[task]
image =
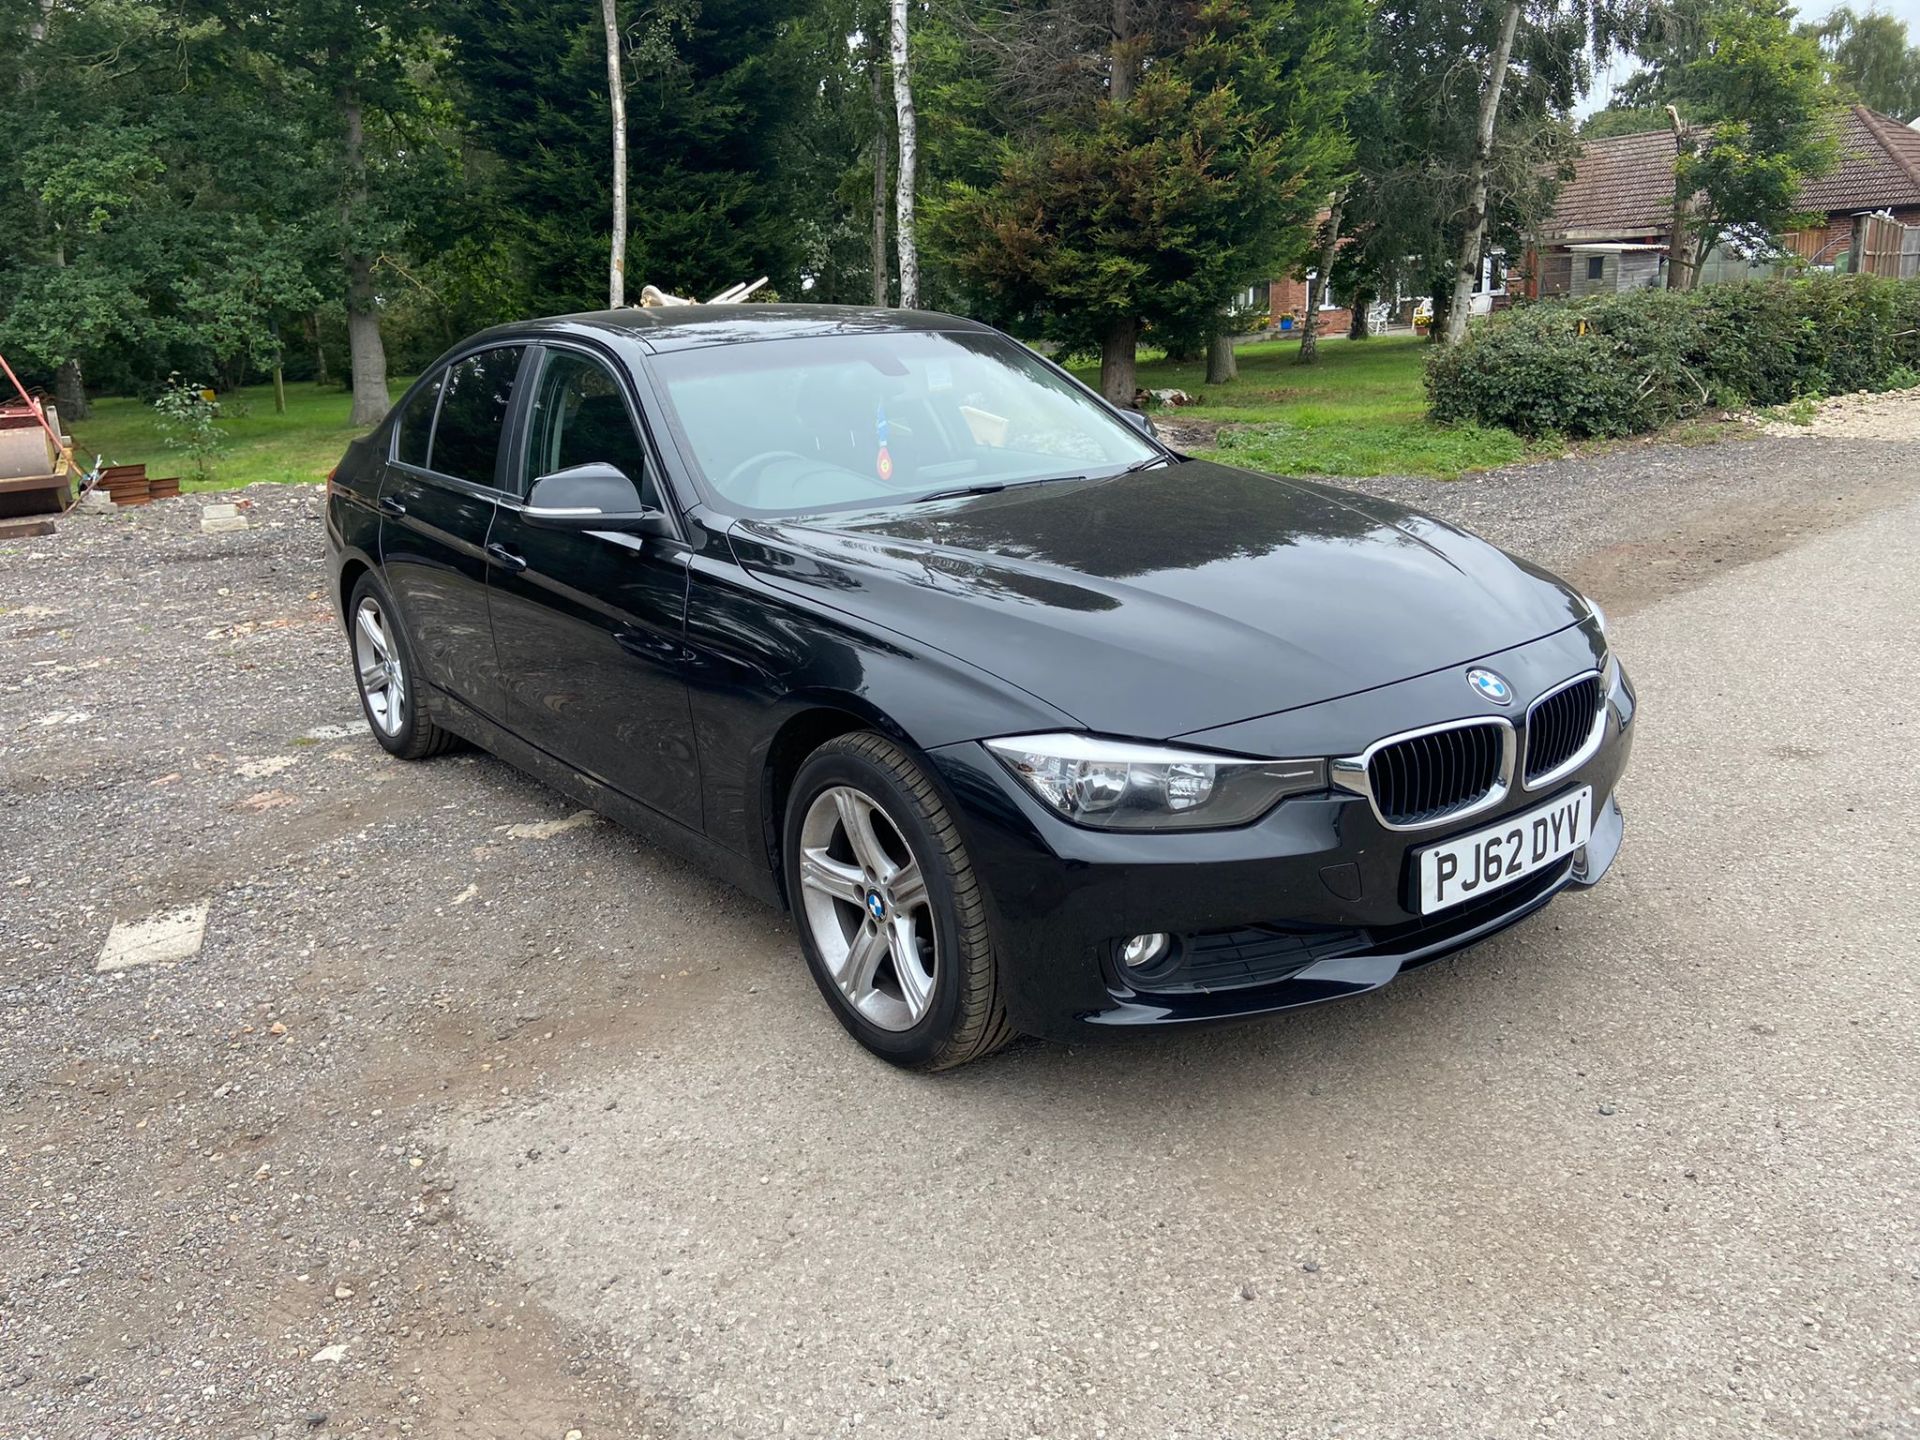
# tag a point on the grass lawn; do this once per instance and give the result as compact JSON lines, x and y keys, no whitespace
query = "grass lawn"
{"x":1361,"y":410}
{"x":299,"y":446}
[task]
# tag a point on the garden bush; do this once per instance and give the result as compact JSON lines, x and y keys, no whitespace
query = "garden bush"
{"x":1622,"y":364}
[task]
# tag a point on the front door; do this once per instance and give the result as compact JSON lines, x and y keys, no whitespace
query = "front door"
{"x":437,"y":506}
{"x":590,"y":626}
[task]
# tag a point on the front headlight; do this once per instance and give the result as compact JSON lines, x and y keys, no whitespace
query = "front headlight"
{"x":1127,"y":785}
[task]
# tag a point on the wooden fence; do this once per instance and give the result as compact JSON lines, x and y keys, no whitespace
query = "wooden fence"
{"x":1886,"y":247}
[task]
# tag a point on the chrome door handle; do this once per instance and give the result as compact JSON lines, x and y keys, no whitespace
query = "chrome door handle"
{"x":391,"y":506}
{"x":505,"y":558}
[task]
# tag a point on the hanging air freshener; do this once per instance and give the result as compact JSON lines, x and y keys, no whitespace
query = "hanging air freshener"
{"x":883,"y":461}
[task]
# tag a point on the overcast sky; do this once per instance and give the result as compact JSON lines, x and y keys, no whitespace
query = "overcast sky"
{"x":1907,"y":10}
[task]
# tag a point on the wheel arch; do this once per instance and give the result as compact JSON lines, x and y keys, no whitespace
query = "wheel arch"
{"x":820,"y":717}
{"x":350,"y":572}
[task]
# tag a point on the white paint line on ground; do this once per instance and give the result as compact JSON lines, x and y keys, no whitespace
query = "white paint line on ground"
{"x":547,"y":829}
{"x":164,"y":938}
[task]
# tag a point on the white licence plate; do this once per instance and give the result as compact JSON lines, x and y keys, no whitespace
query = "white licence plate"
{"x":1468,"y":867}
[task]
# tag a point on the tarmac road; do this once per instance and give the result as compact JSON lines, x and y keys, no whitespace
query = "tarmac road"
{"x":1647,"y":1163}
{"x":469,"y":1117}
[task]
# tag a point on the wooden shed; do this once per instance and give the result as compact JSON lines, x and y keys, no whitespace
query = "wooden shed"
{"x":1610,"y":269}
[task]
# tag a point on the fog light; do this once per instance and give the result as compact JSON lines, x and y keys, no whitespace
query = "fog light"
{"x":1145,"y":951}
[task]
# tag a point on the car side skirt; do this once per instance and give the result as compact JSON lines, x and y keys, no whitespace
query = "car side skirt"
{"x":750,"y":875}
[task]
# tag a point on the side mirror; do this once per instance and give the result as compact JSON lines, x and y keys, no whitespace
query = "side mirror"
{"x":595,"y":496}
{"x":1141,"y":421}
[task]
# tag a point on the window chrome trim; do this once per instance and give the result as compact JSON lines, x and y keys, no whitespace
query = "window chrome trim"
{"x":1588,"y":747}
{"x":1350,"y":772}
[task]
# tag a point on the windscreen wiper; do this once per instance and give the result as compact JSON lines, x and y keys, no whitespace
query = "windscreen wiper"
{"x":991,"y":487}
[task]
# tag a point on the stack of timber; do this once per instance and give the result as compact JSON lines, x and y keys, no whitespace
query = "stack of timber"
{"x":131,"y":485}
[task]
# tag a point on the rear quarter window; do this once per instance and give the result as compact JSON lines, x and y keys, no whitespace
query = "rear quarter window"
{"x":473,"y":412}
{"x":416,"y":424}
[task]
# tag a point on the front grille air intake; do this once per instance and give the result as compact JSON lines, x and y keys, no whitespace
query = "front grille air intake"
{"x":1559,"y":726}
{"x":1425,"y":778}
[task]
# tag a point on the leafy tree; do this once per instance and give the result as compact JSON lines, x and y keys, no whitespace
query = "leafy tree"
{"x":720,"y":95}
{"x":1414,"y":127}
{"x":1871,"y":56}
{"x":1111,"y":164}
{"x":145,"y":201}
{"x":845,"y":146}
{"x":357,"y":76}
{"x":1548,"y":42}
{"x":1757,"y":127}
{"x":1622,"y":119}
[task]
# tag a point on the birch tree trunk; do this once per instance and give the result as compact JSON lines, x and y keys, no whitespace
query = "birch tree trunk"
{"x":1317,"y":291}
{"x":1468,"y":269}
{"x":882,"y":127}
{"x":909,"y":138}
{"x":365,"y":349}
{"x":617,"y":102}
{"x":1678,"y":242}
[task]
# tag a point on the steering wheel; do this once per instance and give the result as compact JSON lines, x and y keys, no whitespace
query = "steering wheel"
{"x":758,"y":462}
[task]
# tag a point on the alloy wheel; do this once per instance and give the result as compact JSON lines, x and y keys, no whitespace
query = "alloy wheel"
{"x":376,"y":659}
{"x":866,"y":907}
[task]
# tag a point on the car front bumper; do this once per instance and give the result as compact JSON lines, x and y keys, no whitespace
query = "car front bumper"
{"x":1315,"y":902}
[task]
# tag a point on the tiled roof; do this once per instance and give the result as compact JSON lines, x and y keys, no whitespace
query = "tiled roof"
{"x":1623,"y":184}
{"x":1879,"y":165}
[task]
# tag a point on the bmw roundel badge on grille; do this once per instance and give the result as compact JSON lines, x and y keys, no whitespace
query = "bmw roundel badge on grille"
{"x":1490,"y":686}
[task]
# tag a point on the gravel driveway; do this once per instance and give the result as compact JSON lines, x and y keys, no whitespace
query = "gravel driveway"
{"x":411,"y":1101}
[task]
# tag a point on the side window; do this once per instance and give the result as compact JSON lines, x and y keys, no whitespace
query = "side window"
{"x":416,"y":425}
{"x":579,"y":415}
{"x":473,"y":412}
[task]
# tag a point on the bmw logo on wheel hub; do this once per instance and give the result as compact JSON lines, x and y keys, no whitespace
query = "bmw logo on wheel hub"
{"x":1490,"y":686}
{"x":876,"y":907}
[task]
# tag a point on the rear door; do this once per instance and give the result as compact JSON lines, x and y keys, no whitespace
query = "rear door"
{"x":437,"y":507}
{"x":590,"y":626}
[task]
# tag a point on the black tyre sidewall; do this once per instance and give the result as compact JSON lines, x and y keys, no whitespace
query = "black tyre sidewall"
{"x":411,"y":740}
{"x":926,"y":1041}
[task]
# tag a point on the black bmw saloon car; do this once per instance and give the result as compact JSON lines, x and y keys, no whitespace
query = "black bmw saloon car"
{"x":1034,"y":724}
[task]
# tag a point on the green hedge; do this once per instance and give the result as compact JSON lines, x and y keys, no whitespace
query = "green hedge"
{"x":1623,"y":364}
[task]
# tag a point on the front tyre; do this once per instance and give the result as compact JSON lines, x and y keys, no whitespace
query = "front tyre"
{"x":384,"y":671}
{"x":888,"y":908}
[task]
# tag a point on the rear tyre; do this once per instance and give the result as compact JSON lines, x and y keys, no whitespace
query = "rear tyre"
{"x":890,"y":913}
{"x":384,"y":671}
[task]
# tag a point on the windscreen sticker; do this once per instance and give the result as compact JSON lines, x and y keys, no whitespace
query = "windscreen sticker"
{"x":883,"y":461}
{"x":939,"y":376}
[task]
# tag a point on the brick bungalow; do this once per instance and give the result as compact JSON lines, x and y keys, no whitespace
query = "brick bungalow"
{"x":1611,"y":225}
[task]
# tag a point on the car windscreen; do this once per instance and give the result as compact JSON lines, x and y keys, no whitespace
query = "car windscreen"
{"x":848,"y":422}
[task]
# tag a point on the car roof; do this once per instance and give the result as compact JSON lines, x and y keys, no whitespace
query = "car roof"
{"x":689,"y":327}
